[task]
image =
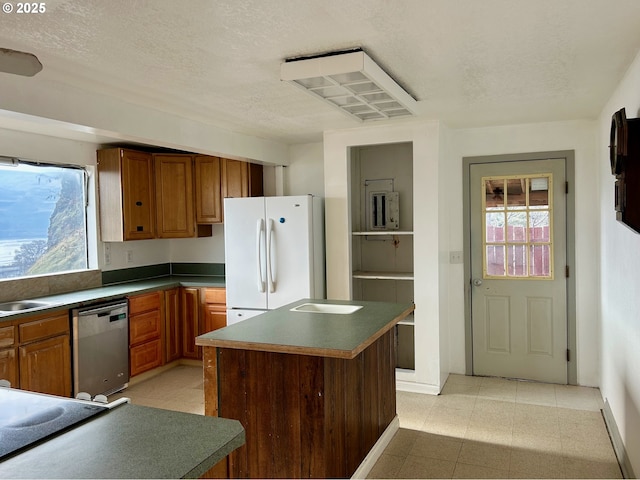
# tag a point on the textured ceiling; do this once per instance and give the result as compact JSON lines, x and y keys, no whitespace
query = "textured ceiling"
{"x":467,"y":62}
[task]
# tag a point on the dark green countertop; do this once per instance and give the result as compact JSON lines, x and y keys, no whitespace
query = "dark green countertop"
{"x":106,"y":293}
{"x":306,"y":333}
{"x":131,"y":441}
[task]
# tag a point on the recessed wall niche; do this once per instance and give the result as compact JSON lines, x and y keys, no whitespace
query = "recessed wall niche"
{"x":381,"y":197}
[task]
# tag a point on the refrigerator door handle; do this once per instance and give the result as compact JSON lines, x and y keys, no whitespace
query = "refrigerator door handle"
{"x":260,"y":262}
{"x":271,"y":280}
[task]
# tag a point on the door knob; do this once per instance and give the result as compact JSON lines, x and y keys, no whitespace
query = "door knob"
{"x":477,"y":282}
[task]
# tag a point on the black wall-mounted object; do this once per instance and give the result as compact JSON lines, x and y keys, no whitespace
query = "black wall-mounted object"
{"x":624,"y":155}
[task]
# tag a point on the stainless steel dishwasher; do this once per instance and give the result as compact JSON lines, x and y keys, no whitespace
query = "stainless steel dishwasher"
{"x":101,"y":348}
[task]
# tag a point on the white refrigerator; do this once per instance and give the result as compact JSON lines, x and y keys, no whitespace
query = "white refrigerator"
{"x":274,"y":253}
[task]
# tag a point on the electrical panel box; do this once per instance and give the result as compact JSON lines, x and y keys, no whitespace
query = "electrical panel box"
{"x":384,"y":211}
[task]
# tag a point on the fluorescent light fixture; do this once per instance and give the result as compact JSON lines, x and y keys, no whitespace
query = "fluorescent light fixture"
{"x":352,"y":82}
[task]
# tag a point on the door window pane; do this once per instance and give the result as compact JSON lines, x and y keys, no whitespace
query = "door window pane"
{"x":495,"y":260}
{"x":516,"y":193}
{"x":540,"y":256}
{"x":494,"y":227}
{"x":517,"y":260}
{"x":517,"y":226}
{"x":494,"y":194}
{"x":518,"y":219}
{"x":539,"y":226}
{"x":539,"y":192}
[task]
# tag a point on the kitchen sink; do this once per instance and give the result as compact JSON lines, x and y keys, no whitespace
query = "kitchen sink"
{"x":331,"y":308}
{"x":21,"y":305}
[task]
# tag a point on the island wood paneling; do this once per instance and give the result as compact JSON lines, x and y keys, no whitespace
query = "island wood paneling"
{"x":304,"y":416}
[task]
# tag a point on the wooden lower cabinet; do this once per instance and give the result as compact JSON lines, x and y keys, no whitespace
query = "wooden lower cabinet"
{"x":145,"y":332}
{"x":172,"y":325}
{"x":45,"y":366}
{"x":145,"y":357}
{"x":214,"y":309}
{"x":44,"y":354}
{"x":9,"y":366}
{"x":190,"y":300}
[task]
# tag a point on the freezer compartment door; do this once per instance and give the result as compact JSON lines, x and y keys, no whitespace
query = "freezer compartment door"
{"x":237,"y":315}
{"x":289,"y":249}
{"x":245,"y":252}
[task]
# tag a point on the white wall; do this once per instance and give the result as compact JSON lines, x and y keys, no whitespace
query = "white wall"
{"x":579,"y":136}
{"x":620,"y":284}
{"x":305,"y":172}
{"x":194,"y":250}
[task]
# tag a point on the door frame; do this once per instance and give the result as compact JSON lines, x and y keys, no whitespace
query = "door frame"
{"x":569,"y":156}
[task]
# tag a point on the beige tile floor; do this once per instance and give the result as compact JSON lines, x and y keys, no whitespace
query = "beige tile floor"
{"x":482,"y":427}
{"x":478,"y":427}
{"x":180,"y":388}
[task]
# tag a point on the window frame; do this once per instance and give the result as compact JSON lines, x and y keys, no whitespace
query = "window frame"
{"x":87,"y":192}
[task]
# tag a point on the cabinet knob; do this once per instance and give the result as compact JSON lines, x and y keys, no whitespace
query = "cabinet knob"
{"x":138,"y":204}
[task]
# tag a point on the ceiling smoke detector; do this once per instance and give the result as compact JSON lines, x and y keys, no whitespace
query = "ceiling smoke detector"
{"x":352,"y":82}
{"x":19,"y":63}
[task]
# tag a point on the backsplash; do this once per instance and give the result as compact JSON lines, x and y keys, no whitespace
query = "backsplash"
{"x":162,"y":270}
{"x":42,"y":286}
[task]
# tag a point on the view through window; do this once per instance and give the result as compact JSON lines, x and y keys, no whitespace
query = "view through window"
{"x":518,"y":213}
{"x":42,"y":219}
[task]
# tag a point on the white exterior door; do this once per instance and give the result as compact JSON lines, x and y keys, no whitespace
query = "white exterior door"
{"x":518,"y":261}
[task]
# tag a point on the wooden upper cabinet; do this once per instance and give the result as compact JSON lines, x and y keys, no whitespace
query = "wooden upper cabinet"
{"x":174,"y":196}
{"x":126,"y":192}
{"x":208,"y":189}
{"x":256,"y":182}
{"x":241,"y":179}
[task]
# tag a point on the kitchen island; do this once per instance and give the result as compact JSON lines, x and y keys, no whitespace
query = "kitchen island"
{"x":314,"y":390}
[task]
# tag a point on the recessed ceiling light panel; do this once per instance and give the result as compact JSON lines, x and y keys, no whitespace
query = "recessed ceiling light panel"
{"x":352,"y":82}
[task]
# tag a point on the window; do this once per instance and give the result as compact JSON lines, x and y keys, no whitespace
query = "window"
{"x":42,"y":219}
{"x":517,"y":219}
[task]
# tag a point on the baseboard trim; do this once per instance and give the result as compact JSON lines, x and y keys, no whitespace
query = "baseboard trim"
{"x":415,"y":387}
{"x":616,"y":440}
{"x":376,"y":452}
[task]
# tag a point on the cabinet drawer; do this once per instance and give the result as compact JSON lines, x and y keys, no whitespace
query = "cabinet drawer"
{"x":44,"y":327}
{"x":143,"y":327}
{"x":145,"y":357}
{"x":144,"y":303}
{"x":215,"y":295}
{"x":7,"y":336}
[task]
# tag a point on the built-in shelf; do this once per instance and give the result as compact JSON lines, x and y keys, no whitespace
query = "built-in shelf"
{"x":383,"y":275}
{"x":383,"y":232}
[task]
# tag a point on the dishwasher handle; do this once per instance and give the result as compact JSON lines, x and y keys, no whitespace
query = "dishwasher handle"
{"x":104,"y":309}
